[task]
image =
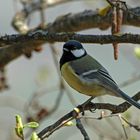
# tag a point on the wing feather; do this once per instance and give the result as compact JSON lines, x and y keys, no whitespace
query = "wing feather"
{"x":88,"y":69}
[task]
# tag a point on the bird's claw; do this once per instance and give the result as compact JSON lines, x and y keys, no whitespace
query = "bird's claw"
{"x":84,"y":105}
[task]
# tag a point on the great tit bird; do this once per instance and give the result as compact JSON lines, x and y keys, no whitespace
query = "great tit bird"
{"x":84,"y":74}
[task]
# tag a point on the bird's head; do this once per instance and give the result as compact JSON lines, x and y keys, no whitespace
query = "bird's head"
{"x":74,"y":49}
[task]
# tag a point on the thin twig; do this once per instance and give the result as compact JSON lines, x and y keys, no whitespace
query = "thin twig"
{"x":82,"y":129}
{"x":42,"y":12}
{"x":124,"y":130}
{"x":108,"y":116}
{"x":136,"y":127}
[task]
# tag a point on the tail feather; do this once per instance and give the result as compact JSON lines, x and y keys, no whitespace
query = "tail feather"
{"x":129,"y":99}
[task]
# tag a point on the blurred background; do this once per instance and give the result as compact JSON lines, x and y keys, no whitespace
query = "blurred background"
{"x":34,"y":83}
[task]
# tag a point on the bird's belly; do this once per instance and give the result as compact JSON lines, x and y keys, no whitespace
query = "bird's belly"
{"x":91,"y":89}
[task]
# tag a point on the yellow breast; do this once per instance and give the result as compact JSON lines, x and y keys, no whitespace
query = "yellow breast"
{"x":91,"y":89}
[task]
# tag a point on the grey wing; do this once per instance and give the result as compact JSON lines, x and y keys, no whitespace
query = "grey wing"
{"x":91,"y":73}
{"x":102,"y":78}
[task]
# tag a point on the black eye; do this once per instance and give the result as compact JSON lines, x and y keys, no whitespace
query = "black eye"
{"x":73,"y":47}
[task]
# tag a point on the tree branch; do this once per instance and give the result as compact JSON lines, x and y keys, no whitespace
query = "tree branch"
{"x":16,"y":45}
{"x":91,"y":19}
{"x":85,"y":107}
{"x":41,"y":36}
{"x":70,"y":22}
{"x":80,"y":21}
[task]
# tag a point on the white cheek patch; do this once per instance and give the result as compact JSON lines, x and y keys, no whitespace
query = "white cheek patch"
{"x":78,"y":53}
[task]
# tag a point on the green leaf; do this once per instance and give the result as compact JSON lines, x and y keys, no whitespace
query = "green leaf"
{"x":34,"y":136}
{"x":69,"y":123}
{"x":19,"y":121}
{"x":19,"y":132}
{"x":104,"y":10}
{"x":137,"y":52}
{"x":19,"y":126}
{"x":31,"y":125}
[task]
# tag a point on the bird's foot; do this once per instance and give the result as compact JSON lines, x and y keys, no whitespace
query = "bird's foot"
{"x":84,"y":105}
{"x":92,"y":110}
